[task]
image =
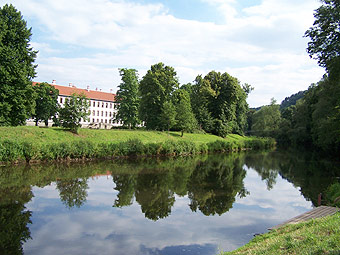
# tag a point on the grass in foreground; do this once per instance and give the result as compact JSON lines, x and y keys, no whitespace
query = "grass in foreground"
{"x":318,"y":236}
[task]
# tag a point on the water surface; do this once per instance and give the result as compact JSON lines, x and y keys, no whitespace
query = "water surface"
{"x":198,"y":205}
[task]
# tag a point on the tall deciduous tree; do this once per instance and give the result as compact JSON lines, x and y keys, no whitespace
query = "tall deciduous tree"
{"x":185,"y":119}
{"x":17,"y":68}
{"x":155,"y":88}
{"x":75,"y":109}
{"x":46,"y":102}
{"x":325,"y":44}
{"x":168,"y":115}
{"x":219,"y":103}
{"x":127,"y":98}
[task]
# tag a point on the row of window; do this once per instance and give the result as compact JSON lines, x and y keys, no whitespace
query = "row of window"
{"x":94,"y":103}
{"x":102,"y":104}
{"x":107,"y":114}
{"x":106,"y":121}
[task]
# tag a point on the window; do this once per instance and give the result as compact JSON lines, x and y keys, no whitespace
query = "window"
{"x":101,"y":120}
{"x":105,"y":114}
{"x":110,"y":114}
{"x":98,"y":104}
{"x":61,"y":100}
{"x":103,"y":105}
{"x":94,"y":104}
{"x":105,"y":121}
{"x":93,"y":120}
{"x":107,"y":105}
{"x":94,"y":113}
{"x":110,"y":105}
{"x":97,"y":120}
{"x":102,"y":113}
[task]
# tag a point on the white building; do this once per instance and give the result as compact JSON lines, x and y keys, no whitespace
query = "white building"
{"x":103,"y":107}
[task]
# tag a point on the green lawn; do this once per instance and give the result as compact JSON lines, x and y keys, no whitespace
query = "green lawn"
{"x":319,"y":236}
{"x":33,"y":143}
{"x":54,"y":135}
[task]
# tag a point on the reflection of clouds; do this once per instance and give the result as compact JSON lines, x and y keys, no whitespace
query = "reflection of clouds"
{"x":99,"y":228}
{"x":284,"y":198}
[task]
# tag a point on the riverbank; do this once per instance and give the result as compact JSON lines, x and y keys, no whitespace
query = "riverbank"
{"x":34,"y":144}
{"x":317,"y":236}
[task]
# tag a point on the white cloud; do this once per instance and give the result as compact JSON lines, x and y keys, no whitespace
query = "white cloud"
{"x":92,"y":39}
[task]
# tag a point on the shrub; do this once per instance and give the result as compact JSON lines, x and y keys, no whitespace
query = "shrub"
{"x":333,"y":194}
{"x":10,"y":151}
{"x":30,"y":151}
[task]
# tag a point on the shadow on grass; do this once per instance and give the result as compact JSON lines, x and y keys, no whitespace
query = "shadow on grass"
{"x":174,"y":134}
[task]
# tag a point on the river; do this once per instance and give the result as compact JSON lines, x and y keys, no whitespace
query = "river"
{"x":188,"y":205}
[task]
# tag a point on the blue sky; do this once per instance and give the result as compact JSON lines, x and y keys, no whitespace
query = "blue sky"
{"x":260,"y":42}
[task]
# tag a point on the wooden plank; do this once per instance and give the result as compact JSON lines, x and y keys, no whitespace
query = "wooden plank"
{"x":317,"y":212}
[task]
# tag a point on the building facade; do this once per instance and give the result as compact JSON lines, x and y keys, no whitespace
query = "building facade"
{"x":103,"y":108}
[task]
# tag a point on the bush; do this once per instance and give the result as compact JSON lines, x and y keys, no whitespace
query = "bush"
{"x":333,"y":194}
{"x":10,"y":151}
{"x":30,"y":151}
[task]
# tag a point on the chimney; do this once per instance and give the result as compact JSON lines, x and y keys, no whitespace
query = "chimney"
{"x":100,"y":90}
{"x":54,"y":82}
{"x":70,"y":84}
{"x":88,"y":88}
{"x":111,"y":91}
{"x":96,"y":89}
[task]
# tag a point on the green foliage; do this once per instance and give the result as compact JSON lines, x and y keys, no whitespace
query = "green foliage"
{"x":156,"y":88}
{"x":314,"y":120}
{"x":75,"y":109}
{"x":17,"y":69}
{"x":324,"y":35}
{"x":46,"y":102}
{"x":168,"y":115}
{"x":219,"y":103}
{"x":128,"y":99}
{"x":185,"y":119}
{"x":333,"y":194}
{"x":266,"y":121}
{"x":10,"y":151}
{"x":291,"y":100}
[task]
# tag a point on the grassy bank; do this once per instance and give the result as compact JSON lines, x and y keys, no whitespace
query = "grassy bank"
{"x":319,"y":236}
{"x":33,"y":143}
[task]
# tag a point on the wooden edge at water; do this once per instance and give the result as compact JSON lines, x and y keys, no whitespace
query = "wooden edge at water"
{"x":317,"y":212}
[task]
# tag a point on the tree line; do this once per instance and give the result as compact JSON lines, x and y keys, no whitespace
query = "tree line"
{"x":311,"y":118}
{"x":215,"y":104}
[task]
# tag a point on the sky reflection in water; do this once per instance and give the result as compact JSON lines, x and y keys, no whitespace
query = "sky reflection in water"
{"x":95,"y":226}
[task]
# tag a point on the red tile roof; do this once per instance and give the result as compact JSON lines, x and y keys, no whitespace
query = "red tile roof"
{"x":91,"y":94}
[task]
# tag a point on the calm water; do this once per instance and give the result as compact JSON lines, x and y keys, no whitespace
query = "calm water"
{"x":199,"y":205}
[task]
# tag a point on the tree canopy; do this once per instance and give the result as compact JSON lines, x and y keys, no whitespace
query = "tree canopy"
{"x":325,"y":33}
{"x":75,"y":109}
{"x":46,"y":102}
{"x":17,"y":68}
{"x":155,"y":88}
{"x":127,"y":98}
{"x":219,"y":103}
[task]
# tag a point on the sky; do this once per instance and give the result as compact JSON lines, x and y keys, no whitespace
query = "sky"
{"x":260,"y":42}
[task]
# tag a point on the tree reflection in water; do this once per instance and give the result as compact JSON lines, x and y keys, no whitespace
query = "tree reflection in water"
{"x":73,"y":192}
{"x":211,"y":182}
{"x":14,"y":218}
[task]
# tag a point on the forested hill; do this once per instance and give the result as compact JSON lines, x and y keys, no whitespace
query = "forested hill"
{"x":291,"y":100}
